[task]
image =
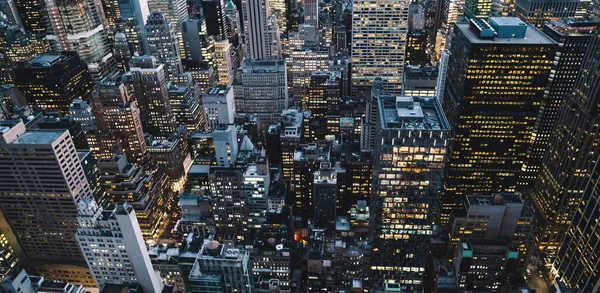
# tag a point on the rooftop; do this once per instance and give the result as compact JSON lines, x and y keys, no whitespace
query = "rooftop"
{"x":39,"y":137}
{"x":412,"y":113}
{"x":495,"y":199}
{"x":46,"y":60}
{"x":218,"y":90}
{"x":573,"y":26}
{"x":532,"y":35}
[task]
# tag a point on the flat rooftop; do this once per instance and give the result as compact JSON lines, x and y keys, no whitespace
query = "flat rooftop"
{"x":412,"y":113}
{"x":39,"y":137}
{"x":532,"y":36}
{"x":506,"y":198}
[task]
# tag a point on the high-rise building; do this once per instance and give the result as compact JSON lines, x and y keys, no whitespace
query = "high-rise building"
{"x":81,"y":112}
{"x":150,"y":85}
{"x":224,"y":52}
{"x":261,"y":34}
{"x":577,"y":260}
{"x":212,"y":10}
{"x":502,"y":215}
{"x":324,"y":94}
{"x":42,"y":183}
{"x":219,"y":106}
{"x":226,"y":145}
{"x":233,"y":25}
{"x":118,"y":123}
{"x":79,"y":26}
{"x":311,"y":13}
{"x":573,"y":37}
{"x":221,"y":268}
{"x":257,"y":180}
{"x":539,"y":12}
{"x":279,"y":8}
{"x":145,"y":187}
{"x":301,"y":63}
{"x":420,"y":81}
{"x":176,"y":12}
{"x":480,"y":9}
{"x":186,"y":102}
{"x":162,"y":44}
{"x":485,"y":159}
{"x":198,"y":46}
{"x":569,"y":160}
{"x":306,"y":160}
{"x":263,"y":87}
{"x":412,"y":147}
{"x":485,"y":265}
{"x":372,"y":57}
{"x":230,"y":208}
{"x":52,"y":80}
{"x":112,"y":239}
{"x":33,"y":15}
{"x":129,"y":17}
{"x":121,"y":52}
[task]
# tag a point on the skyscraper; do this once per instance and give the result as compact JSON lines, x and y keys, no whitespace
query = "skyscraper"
{"x":229,"y":201}
{"x":412,"y":147}
{"x":569,"y":160}
{"x":323,"y":97}
{"x":573,"y":37}
{"x":126,"y":256}
{"x":264,"y":88}
{"x":199,"y":47}
{"x":33,"y":16}
{"x":539,"y":12}
{"x":118,"y":123}
{"x":215,"y":19}
{"x":259,"y":31}
{"x":176,"y":12}
{"x":223,"y":60}
{"x":221,"y":268}
{"x":378,"y":50}
{"x":144,"y":187}
{"x":52,"y":80}
{"x":151,"y":93}
{"x":162,"y":44}
{"x":311,"y":13}
{"x":478,"y":9}
{"x":130,"y":18}
{"x":493,"y":124}
{"x":577,"y":260}
{"x":219,"y":106}
{"x":40,"y":201}
{"x":79,"y":26}
{"x":279,"y":9}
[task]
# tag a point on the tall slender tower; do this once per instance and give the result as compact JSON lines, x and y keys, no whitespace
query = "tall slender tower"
{"x":259,"y":31}
{"x":573,"y":149}
{"x":372,"y":22}
{"x":492,"y":123}
{"x":152,"y":96}
{"x":412,"y":147}
{"x":162,"y":44}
